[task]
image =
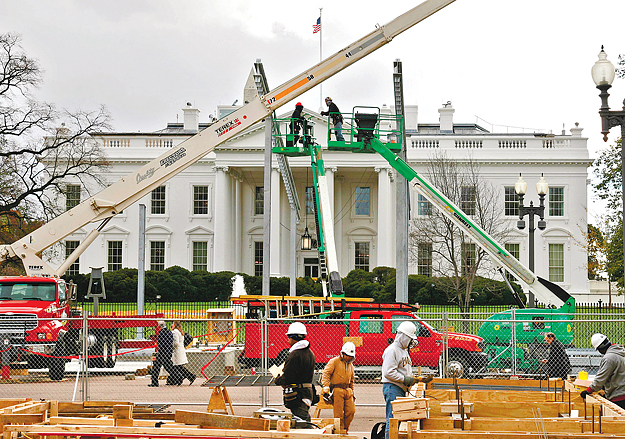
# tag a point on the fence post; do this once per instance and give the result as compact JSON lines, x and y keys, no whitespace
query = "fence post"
{"x":445,"y":344}
{"x":513,"y":341}
{"x":264,"y":360}
{"x":85,"y":358}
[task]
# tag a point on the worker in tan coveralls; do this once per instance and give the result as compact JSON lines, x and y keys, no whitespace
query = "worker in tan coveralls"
{"x":338,"y":380}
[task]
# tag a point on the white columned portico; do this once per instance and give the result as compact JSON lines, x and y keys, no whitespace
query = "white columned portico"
{"x":275,"y":222}
{"x":223,"y":232}
{"x":385,"y":218}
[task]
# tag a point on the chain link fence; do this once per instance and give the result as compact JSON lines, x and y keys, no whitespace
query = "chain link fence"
{"x":112,"y":357}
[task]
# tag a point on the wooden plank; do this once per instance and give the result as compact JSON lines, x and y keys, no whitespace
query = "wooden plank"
{"x":88,"y":404}
{"x":393,"y":428}
{"x":22,"y":418}
{"x":32,"y":408}
{"x":8,"y":402}
{"x":459,"y":434}
{"x":409,"y":404}
{"x":122,"y":411}
{"x":412,"y":415}
{"x":283,"y":425}
{"x":89,"y":430}
{"x":493,"y":382}
{"x":67,"y":420}
{"x":214,"y":420}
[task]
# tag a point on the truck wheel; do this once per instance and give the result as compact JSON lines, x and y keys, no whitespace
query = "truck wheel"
{"x":56,"y":367}
{"x":100,"y":350}
{"x":462,"y":362}
{"x":112,"y":352}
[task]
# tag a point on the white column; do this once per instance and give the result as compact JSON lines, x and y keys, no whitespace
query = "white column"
{"x":222,"y":205}
{"x":275,"y":222}
{"x":385,"y":219}
{"x":237,"y":226}
{"x":338,"y":224}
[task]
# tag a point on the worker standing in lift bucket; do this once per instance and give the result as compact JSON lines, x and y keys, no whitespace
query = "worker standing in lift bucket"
{"x":338,"y":385}
{"x":297,"y":375}
{"x":611,"y":374}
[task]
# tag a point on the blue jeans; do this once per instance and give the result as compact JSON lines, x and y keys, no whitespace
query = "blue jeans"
{"x":390,"y":392}
{"x":338,"y":132}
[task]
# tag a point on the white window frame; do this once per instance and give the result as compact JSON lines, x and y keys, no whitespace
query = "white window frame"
{"x":372,"y":202}
{"x":565,"y":194}
{"x":192,"y":213}
{"x":200,"y":234}
{"x":158,"y":232}
{"x":153,"y":241}
{"x":165,"y":216}
{"x":76,"y":263}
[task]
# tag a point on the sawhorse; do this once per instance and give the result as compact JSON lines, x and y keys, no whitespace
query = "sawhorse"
{"x":220,"y":400}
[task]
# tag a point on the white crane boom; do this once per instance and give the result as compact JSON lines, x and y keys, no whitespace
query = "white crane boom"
{"x":117,"y":197}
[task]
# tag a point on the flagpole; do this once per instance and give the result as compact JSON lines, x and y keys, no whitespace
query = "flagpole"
{"x":320,"y":57}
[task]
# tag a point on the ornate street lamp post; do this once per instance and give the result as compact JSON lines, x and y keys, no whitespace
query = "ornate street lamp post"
{"x":603,"y":74}
{"x":520,"y":187}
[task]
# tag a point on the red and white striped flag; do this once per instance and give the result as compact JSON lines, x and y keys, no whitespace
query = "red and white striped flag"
{"x":317,"y":26}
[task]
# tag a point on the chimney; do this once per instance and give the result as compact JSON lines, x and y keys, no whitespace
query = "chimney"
{"x":191,"y":118}
{"x":446,"y":118}
{"x":410,"y":119}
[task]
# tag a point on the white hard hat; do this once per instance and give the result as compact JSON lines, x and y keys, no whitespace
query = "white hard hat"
{"x":597,"y":340}
{"x":349,"y":348}
{"x":409,"y":329}
{"x":296,"y":328}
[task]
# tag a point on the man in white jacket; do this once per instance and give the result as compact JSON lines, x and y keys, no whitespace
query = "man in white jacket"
{"x":397,"y":375}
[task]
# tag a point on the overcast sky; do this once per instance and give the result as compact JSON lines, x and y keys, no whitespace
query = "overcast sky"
{"x":511,"y":63}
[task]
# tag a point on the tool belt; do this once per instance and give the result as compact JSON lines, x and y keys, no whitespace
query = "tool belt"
{"x":339,"y":386}
{"x":300,"y":386}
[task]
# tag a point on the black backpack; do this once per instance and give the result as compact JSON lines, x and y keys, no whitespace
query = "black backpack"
{"x":188,"y":339}
{"x":378,"y":430}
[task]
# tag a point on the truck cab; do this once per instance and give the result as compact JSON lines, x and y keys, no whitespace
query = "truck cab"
{"x":372,"y":331}
{"x":33,"y":316}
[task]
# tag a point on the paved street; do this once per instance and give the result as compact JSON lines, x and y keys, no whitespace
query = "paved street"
{"x":195,"y":397}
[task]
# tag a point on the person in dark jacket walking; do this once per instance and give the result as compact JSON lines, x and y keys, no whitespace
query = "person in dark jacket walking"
{"x":558,"y":364}
{"x":165,"y":346}
{"x":611,"y":373}
{"x":336,"y":117}
{"x":297,"y":375}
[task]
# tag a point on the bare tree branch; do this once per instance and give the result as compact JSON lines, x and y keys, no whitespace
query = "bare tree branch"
{"x":456,"y":260}
{"x":41,"y":148}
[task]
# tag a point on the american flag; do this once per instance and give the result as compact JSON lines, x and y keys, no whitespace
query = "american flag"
{"x":317,"y":26}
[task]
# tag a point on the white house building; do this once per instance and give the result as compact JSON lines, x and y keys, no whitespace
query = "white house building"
{"x":210,"y":216}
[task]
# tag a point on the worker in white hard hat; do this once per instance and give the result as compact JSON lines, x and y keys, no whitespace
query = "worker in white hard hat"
{"x":397,"y":375}
{"x":297,"y":375}
{"x":338,"y":381}
{"x":611,"y":374}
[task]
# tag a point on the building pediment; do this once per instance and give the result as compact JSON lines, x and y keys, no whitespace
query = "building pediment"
{"x":362,"y":231}
{"x":556,"y":232}
{"x":199,"y":230}
{"x":115,"y":229}
{"x":158,"y":229}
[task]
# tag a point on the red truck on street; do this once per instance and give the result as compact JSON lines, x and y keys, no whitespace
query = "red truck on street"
{"x":40,"y":329}
{"x":371,"y":330}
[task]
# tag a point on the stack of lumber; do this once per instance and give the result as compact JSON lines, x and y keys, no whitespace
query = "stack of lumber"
{"x":104,"y":419}
{"x":521,"y":410}
{"x":410,"y":408}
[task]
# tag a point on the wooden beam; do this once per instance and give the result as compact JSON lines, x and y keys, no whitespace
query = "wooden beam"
{"x":171,"y":432}
{"x":8,"y":402}
{"x":214,"y":420}
{"x":22,"y":418}
{"x":459,"y":434}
